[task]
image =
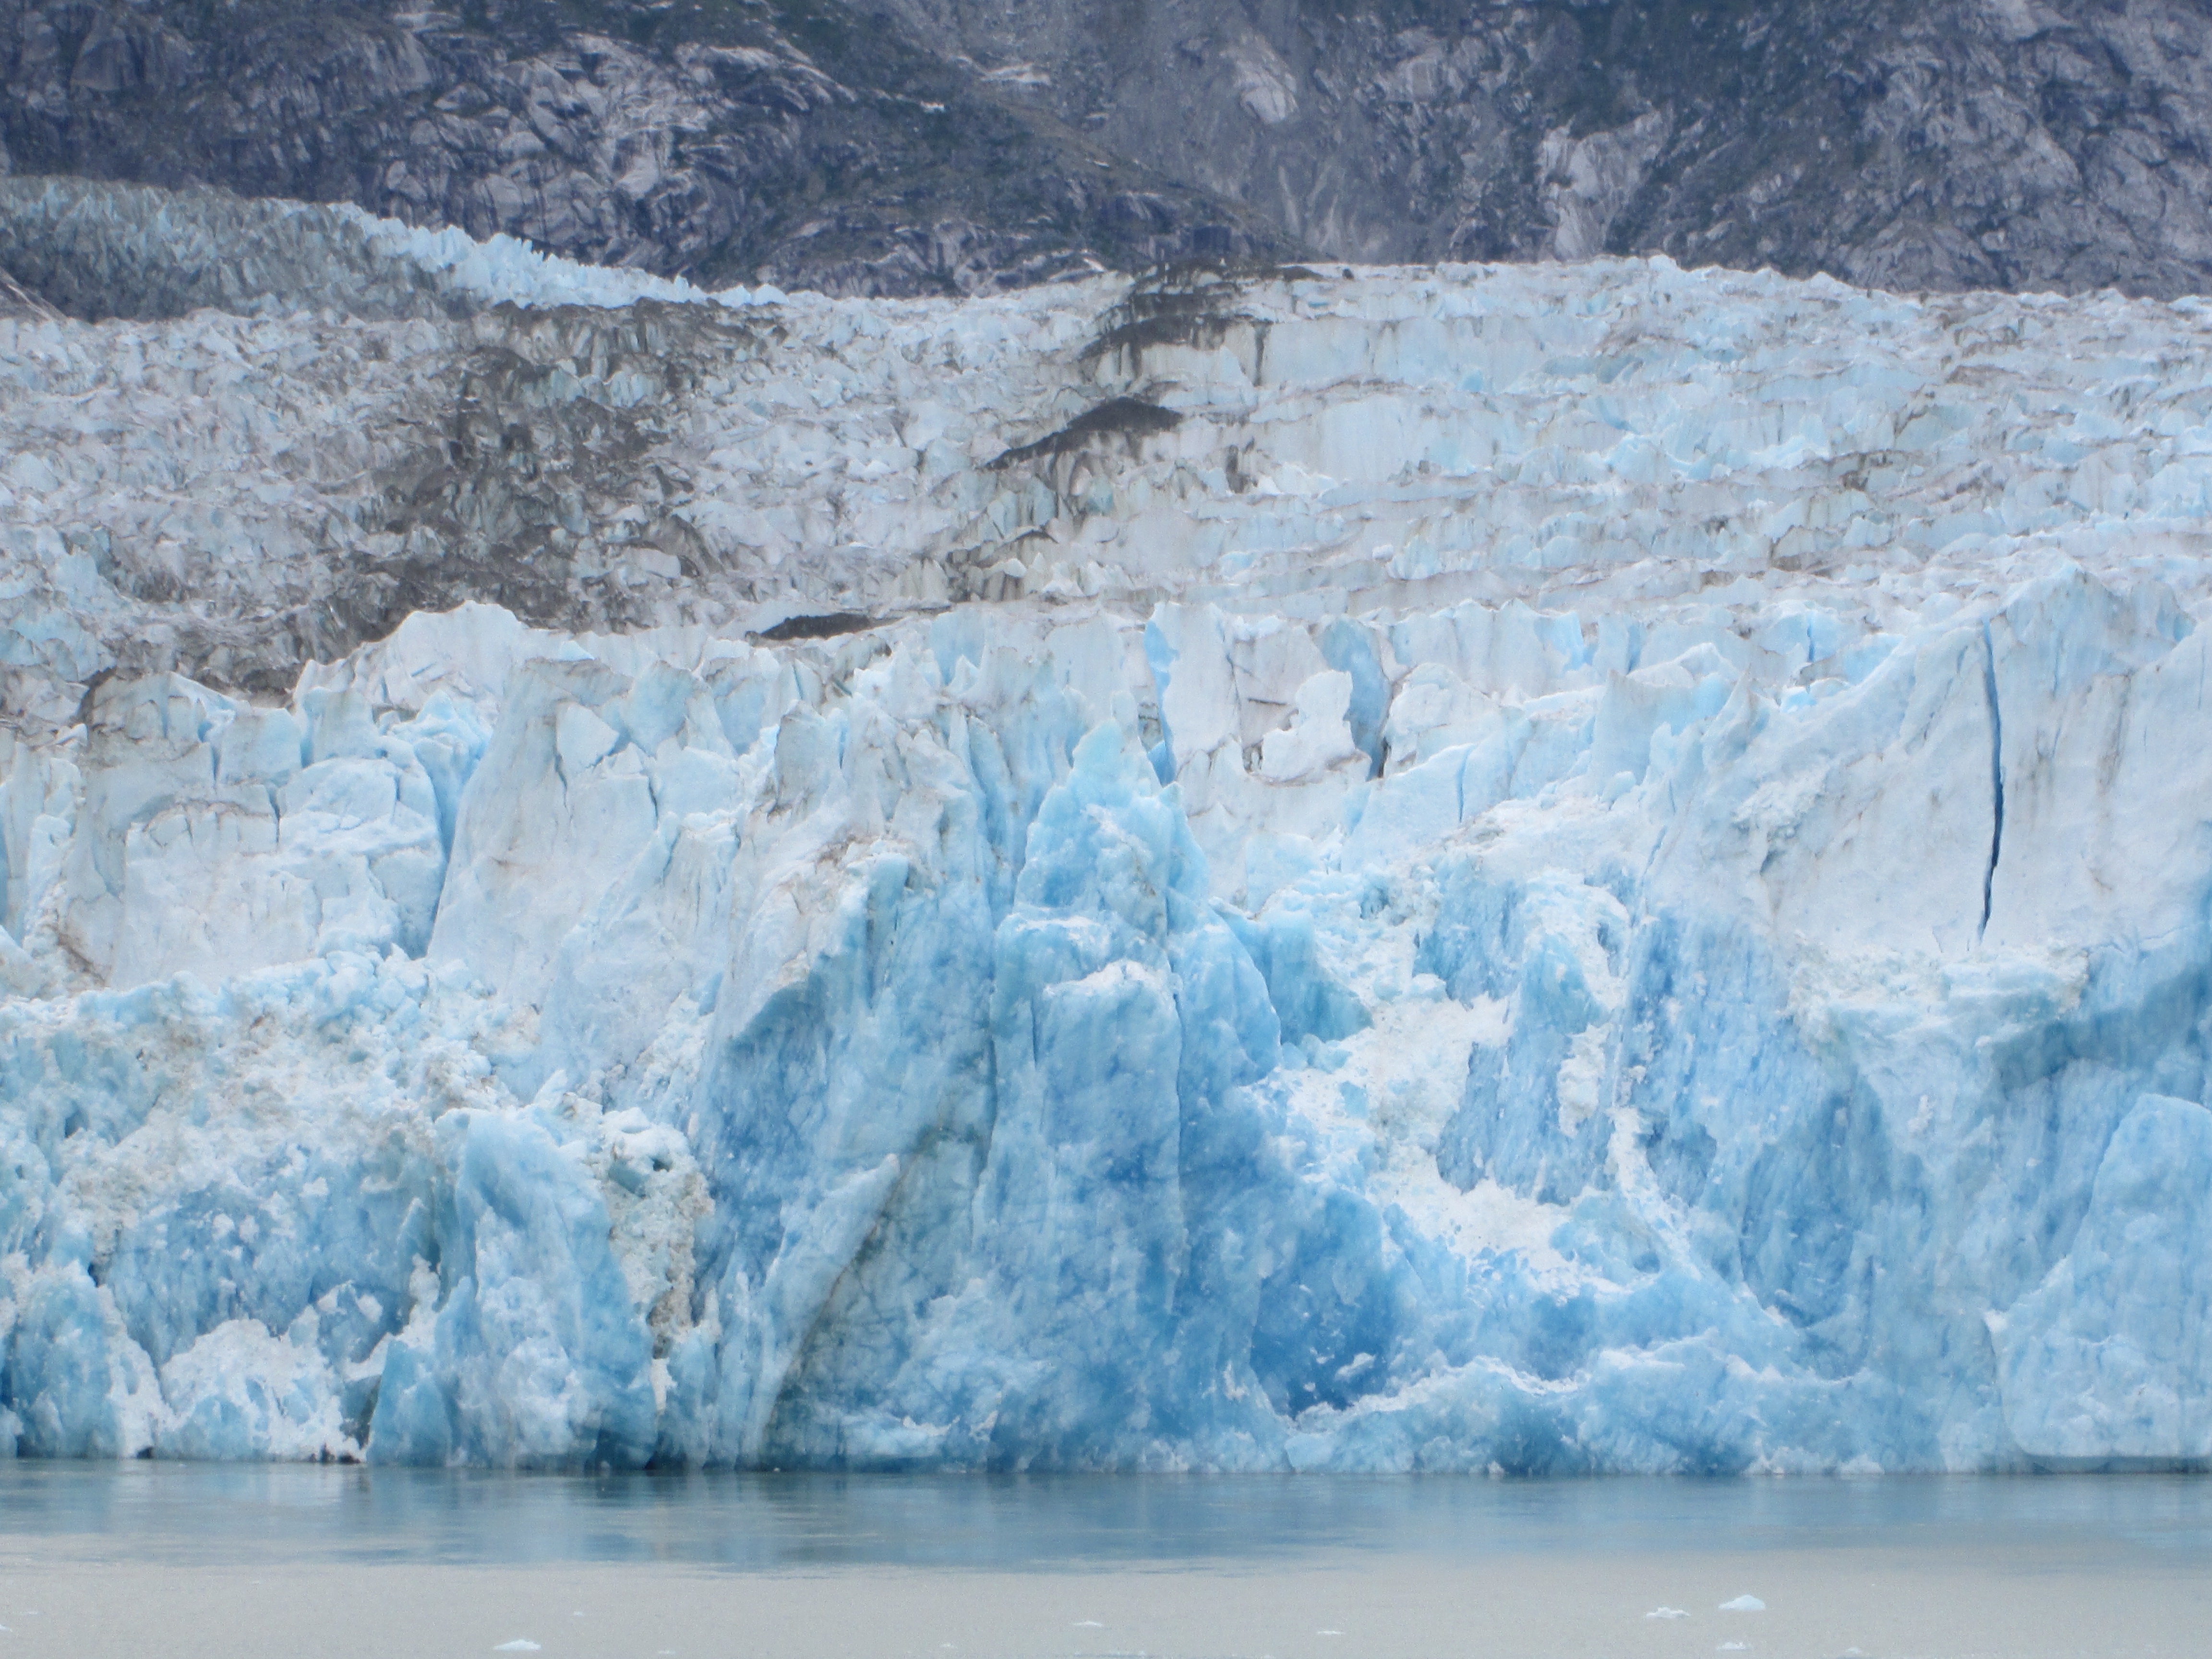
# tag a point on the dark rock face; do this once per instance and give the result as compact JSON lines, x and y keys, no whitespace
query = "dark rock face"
{"x":912,"y":146}
{"x":722,"y":142}
{"x":1908,"y":143}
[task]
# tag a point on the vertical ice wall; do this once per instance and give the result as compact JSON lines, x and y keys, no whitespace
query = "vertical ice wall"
{"x":1554,"y":871}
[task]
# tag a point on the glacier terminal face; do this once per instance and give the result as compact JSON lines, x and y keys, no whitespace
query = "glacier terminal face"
{"x":1536,"y":869}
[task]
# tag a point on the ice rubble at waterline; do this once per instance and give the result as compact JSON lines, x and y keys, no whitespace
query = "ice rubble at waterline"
{"x":1625,"y":890}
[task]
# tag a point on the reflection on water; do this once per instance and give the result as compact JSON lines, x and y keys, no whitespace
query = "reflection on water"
{"x":185,"y":1513}
{"x":213,"y":1562}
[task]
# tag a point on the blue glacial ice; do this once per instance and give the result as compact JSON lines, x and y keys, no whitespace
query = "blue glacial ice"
{"x":1627,"y":890}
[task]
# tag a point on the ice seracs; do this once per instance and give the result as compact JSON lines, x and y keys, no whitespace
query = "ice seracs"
{"x":1540,"y":870}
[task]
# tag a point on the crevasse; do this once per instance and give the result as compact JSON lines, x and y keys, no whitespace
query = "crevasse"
{"x":1487,"y":981}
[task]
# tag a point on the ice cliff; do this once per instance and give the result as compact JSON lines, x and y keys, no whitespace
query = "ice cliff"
{"x":1542,"y":869}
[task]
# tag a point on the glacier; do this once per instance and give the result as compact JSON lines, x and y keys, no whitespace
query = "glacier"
{"x":1536,"y":869}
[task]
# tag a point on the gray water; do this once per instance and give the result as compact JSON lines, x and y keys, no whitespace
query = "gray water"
{"x":165,"y":1559}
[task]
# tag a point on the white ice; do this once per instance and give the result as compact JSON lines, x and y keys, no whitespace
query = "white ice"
{"x":1693,"y":955}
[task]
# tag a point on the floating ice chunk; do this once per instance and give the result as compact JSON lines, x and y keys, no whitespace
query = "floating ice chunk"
{"x":1744,"y":1604}
{"x":1667,"y":1612}
{"x":520,"y":1644}
{"x":1735,"y":1647}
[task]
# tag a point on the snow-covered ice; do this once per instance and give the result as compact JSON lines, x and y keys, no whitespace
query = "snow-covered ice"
{"x":1542,"y":869}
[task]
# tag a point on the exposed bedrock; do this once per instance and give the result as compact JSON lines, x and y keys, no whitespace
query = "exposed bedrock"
{"x":935,"y":146}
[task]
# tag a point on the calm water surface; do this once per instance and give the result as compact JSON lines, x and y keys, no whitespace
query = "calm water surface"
{"x":164,"y":1559}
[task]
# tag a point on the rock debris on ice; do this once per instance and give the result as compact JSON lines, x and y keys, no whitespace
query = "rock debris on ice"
{"x":1696,"y":957}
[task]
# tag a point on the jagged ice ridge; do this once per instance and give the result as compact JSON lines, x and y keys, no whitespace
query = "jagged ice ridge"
{"x":1543,"y":869}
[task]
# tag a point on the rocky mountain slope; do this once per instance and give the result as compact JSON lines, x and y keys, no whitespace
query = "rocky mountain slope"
{"x":919,"y":146}
{"x":1913,"y":143}
{"x":718,"y":140}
